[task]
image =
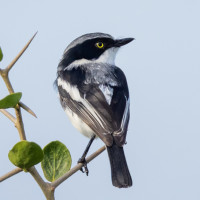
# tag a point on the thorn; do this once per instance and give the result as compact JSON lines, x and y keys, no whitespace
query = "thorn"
{"x":9,"y":67}
{"x":27,"y":109}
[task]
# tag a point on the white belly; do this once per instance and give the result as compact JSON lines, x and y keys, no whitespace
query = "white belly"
{"x":79,"y":124}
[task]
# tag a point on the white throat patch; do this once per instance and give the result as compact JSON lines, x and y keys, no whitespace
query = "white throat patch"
{"x":108,"y":56}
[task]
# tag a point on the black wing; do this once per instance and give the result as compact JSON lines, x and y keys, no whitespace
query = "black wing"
{"x":107,"y":119}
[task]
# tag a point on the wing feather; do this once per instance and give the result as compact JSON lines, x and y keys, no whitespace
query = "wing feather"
{"x":108,"y":116}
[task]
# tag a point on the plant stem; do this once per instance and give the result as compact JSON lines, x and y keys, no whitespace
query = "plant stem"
{"x":5,"y":75}
{"x":11,"y":173}
{"x":76,"y":168}
{"x":8,"y":115}
{"x":46,"y":187}
{"x":20,"y":124}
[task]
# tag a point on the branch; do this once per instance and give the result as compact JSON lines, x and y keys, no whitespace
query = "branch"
{"x":5,"y":75}
{"x":11,"y":173}
{"x":49,"y":188}
{"x":20,"y":124}
{"x":8,"y":115}
{"x":76,"y":168}
{"x":46,"y":187}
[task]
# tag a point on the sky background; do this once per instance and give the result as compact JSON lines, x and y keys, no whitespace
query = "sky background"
{"x":163,"y":72}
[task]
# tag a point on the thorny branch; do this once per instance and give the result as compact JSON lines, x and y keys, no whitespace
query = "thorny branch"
{"x":5,"y":75}
{"x":47,"y":188}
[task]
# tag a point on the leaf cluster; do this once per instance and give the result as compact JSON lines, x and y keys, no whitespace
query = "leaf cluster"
{"x":55,"y":158}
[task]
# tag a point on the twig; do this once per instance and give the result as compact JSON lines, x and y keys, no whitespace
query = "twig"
{"x":11,"y":173}
{"x":46,"y":187}
{"x":8,"y":115}
{"x":20,"y":124}
{"x":49,"y":188}
{"x":5,"y":75}
{"x":76,"y":168}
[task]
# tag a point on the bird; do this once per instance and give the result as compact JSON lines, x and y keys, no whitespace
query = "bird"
{"x":94,"y":93}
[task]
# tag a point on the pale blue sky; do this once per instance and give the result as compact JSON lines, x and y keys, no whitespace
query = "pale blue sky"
{"x":163,"y":71}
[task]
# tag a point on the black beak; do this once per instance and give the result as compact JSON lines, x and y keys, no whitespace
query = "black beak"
{"x":121,"y":42}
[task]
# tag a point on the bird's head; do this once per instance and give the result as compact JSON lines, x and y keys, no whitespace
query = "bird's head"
{"x":92,"y":47}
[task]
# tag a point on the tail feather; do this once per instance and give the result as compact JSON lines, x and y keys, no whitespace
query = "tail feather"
{"x":121,"y":177}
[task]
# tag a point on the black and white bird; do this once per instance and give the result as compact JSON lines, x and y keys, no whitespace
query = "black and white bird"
{"x":94,"y":94}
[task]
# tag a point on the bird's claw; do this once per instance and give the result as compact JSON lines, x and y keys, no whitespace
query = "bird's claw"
{"x":84,"y":169}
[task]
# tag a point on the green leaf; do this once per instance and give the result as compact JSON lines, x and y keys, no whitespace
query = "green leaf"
{"x":57,"y":160}
{"x":10,"y":101}
{"x":25,"y":154}
{"x":1,"y":54}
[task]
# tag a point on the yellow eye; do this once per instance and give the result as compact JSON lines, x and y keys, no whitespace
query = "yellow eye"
{"x":99,"y":45}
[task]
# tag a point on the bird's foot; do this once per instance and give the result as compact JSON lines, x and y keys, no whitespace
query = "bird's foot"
{"x":84,"y":169}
